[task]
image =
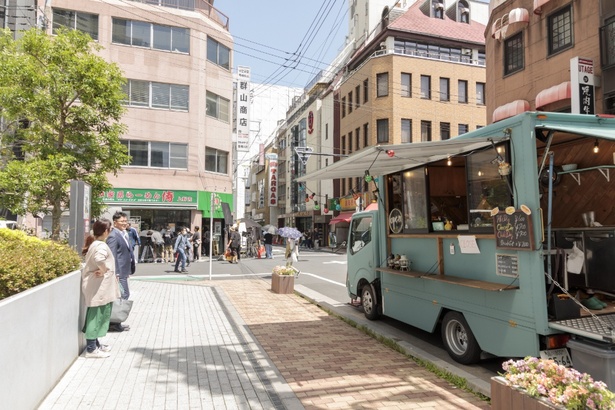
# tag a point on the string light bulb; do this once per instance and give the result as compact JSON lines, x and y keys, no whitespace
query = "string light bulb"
{"x":368,"y":177}
{"x":316,"y":206}
{"x":390,"y":153}
{"x":307,"y":198}
{"x":449,"y":162}
{"x":596,"y":149}
{"x":312,"y":196}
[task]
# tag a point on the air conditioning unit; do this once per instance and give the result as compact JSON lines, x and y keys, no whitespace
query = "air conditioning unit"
{"x":466,"y":51}
{"x":439,"y":6}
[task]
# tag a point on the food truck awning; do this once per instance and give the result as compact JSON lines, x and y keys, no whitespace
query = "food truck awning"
{"x":400,"y":157}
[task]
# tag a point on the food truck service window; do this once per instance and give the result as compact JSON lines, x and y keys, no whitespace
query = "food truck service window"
{"x":486,"y":188}
{"x":408,"y":194}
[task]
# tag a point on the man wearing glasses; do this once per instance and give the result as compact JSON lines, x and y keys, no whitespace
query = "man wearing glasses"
{"x":119,"y":243}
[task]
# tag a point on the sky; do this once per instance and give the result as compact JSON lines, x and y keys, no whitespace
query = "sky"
{"x":285,"y":42}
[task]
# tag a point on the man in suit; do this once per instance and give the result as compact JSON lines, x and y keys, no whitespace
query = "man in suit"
{"x":119,"y":243}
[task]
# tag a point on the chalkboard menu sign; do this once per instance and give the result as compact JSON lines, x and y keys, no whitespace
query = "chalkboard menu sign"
{"x":513,"y":231}
{"x":507,"y":265}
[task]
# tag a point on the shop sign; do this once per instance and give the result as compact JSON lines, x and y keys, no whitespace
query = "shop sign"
{"x":127,"y":195}
{"x":243,"y":108}
{"x":273,"y":182}
{"x":582,"y":85}
{"x":348,"y":203}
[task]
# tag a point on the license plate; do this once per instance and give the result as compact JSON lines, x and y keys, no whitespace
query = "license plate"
{"x":559,"y":356}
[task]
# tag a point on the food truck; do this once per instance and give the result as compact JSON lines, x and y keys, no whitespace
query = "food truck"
{"x":473,"y":236}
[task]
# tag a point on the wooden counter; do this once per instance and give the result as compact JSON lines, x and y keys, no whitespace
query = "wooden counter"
{"x":455,"y":280}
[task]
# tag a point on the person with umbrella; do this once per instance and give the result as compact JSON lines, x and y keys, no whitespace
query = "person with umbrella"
{"x":269,"y":243}
{"x":292,"y":247}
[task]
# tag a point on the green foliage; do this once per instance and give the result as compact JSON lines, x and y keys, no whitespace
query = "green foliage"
{"x":63,"y":105}
{"x":26,"y":261}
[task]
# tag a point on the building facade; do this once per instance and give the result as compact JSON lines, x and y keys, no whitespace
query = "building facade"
{"x":550,"y":55}
{"x":177,"y":59}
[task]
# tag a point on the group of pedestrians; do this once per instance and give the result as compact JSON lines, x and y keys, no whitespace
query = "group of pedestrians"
{"x":310,"y":238}
{"x":109,"y":261}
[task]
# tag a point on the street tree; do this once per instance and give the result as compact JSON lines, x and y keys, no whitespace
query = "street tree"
{"x":61,"y":106}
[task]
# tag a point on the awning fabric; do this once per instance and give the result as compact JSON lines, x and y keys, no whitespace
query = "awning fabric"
{"x":553,"y":94}
{"x":404,"y":156}
{"x":538,"y":5}
{"x":510,"y":23}
{"x":510,"y":110}
{"x":342,"y":217}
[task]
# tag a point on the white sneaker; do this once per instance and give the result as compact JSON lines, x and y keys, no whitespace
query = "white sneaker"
{"x":104,"y":348}
{"x":97,"y":354}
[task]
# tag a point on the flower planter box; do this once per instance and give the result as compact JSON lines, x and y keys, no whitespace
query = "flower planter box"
{"x":282,"y":283}
{"x":504,"y":397}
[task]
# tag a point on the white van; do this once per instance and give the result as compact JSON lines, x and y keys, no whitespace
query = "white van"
{"x":8,"y":224}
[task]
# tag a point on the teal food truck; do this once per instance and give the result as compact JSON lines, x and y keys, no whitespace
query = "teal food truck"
{"x":473,"y":236}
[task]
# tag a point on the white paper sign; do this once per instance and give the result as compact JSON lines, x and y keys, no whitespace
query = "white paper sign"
{"x":467,"y":244}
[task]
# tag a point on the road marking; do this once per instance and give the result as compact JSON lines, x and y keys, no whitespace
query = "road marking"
{"x":340,"y":262}
{"x":322,"y":278}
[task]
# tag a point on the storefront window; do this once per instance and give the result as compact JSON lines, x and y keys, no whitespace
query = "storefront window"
{"x":487,"y":189}
{"x":408,"y":205}
{"x":158,"y":219}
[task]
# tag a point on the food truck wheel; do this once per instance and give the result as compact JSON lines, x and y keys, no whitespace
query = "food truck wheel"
{"x":459,"y":339}
{"x":368,"y":300}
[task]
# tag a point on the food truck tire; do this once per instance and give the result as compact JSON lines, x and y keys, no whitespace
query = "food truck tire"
{"x":459,"y":340}
{"x":370,"y":302}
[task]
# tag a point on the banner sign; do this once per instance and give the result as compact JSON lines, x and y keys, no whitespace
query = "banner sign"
{"x":273,"y":181}
{"x":127,"y":195}
{"x":243,"y":108}
{"x":582,"y":85}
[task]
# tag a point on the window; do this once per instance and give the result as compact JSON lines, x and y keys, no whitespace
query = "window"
{"x":480,"y":93}
{"x":462,"y":89}
{"x":357,"y":138}
{"x":343,"y":107}
{"x":382,"y":84}
{"x":157,"y":154}
{"x":406,"y":85}
{"x":382,"y":129}
{"x":76,"y":20}
{"x":560,"y":30}
{"x":350,"y":100}
{"x":217,"y":107}
{"x":407,"y":192}
{"x":365,"y":135}
{"x":365,"y":90}
{"x":360,"y":234}
{"x":425,"y":131}
{"x":487,"y":189}
{"x":445,"y":94}
{"x":406,"y":130}
{"x":216,"y":160}
{"x":462,"y":129}
{"x":357,"y":93}
{"x":607,"y":43}
{"x":438,"y":9}
{"x":445,"y":131}
{"x":156,"y":95}
{"x":350,"y":142}
{"x":426,"y":87}
{"x":326,"y":131}
{"x":155,"y":36}
{"x":343,"y":144}
{"x":463,"y":12}
{"x":513,"y":54}
{"x":218,"y":53}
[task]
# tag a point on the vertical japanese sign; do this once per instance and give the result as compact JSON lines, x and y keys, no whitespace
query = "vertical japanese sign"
{"x":273,"y":180}
{"x":243,"y":108}
{"x":582,"y":85}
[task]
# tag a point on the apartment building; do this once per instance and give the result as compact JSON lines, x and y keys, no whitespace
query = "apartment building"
{"x":421,"y":77}
{"x":550,"y":55}
{"x":176,"y":56}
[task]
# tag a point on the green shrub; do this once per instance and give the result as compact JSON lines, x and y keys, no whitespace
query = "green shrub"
{"x":26,"y":261}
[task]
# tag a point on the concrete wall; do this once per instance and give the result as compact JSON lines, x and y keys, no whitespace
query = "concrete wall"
{"x":41,"y":338}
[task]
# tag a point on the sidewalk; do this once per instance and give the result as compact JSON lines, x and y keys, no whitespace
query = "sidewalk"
{"x":233,"y":344}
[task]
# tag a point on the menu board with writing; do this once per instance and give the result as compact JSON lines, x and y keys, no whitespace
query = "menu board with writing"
{"x":507,"y":265}
{"x":513,"y":231}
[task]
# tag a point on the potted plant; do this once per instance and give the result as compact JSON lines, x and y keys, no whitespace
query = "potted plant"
{"x":283,"y":279}
{"x":553,"y":385}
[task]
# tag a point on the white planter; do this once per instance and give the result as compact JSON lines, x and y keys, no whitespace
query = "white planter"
{"x":40,"y":340}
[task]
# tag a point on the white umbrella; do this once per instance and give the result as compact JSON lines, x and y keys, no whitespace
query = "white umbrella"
{"x":270,"y":229}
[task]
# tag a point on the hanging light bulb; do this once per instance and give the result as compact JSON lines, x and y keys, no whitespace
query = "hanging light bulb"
{"x":326,"y":210}
{"x":312,"y":196}
{"x":337,"y":206}
{"x":596,"y":149}
{"x":316,"y":206}
{"x":390,"y":153}
{"x":326,"y":204}
{"x":449,"y":162}
{"x":307,"y":198}
{"x":368,"y":177}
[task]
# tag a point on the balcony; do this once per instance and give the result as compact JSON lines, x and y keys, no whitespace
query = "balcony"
{"x":194,"y":5}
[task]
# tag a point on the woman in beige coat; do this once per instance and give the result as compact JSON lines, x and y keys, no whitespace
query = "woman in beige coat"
{"x":100,"y":288}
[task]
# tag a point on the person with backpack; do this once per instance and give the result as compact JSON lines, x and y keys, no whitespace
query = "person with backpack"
{"x":168,"y":237}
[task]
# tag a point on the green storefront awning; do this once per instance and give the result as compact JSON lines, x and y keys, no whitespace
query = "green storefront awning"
{"x":204,"y":203}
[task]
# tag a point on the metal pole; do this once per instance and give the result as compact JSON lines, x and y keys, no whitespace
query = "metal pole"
{"x":211,"y":231}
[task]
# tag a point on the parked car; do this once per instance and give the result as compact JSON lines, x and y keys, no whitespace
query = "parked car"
{"x":8,"y":224}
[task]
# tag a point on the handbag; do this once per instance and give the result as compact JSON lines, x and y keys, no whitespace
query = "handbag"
{"x":120,"y":308}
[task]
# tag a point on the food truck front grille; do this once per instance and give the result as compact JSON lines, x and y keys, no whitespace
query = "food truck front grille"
{"x":601,"y":328}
